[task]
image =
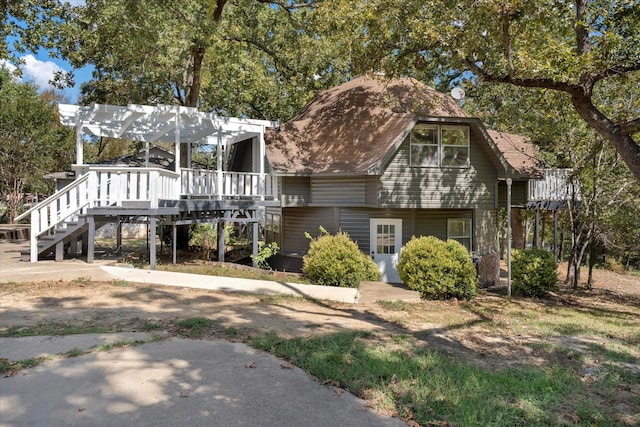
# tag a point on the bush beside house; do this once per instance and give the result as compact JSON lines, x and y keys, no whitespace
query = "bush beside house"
{"x":437,"y":269}
{"x":336,"y":260}
{"x":534,"y":272}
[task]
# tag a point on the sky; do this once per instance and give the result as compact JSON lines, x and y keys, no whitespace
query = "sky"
{"x":39,"y":69}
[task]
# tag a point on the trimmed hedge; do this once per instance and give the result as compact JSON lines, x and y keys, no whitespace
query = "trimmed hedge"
{"x":336,"y":260}
{"x":534,"y":272}
{"x":438,"y":269}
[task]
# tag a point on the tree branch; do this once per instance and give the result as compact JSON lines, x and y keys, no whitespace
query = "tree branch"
{"x":291,"y":6}
{"x":544,"y":83}
{"x":591,"y":79}
{"x":632,"y":126}
{"x":506,"y":37}
{"x":264,"y":49}
{"x":582,"y":32}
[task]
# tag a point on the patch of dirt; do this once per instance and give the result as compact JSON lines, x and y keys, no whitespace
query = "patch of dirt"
{"x":490,"y":331}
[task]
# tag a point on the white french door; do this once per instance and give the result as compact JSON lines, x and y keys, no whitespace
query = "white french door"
{"x":385,"y":244}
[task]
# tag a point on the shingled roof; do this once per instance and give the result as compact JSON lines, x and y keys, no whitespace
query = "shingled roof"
{"x":350,"y":128}
{"x":518,"y":152}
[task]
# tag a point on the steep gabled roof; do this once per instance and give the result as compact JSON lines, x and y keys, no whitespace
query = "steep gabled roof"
{"x":352,"y":127}
{"x":518,"y":152}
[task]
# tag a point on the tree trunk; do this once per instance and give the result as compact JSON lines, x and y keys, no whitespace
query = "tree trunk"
{"x":621,"y":139}
{"x":517,"y":233}
{"x":591,"y":263}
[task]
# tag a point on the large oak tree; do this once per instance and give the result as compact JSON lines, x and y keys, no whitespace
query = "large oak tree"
{"x":568,"y":46}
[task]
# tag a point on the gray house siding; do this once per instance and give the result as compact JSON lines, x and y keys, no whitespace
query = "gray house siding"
{"x":519,"y":196}
{"x":341,"y":191}
{"x":355,"y":222}
{"x":295,"y":191}
{"x":298,"y":221}
{"x":402,"y":185}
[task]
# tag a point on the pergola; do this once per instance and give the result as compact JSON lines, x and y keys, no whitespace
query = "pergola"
{"x":162,"y":123}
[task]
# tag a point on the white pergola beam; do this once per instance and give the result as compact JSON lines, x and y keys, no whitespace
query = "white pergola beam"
{"x":165,"y":123}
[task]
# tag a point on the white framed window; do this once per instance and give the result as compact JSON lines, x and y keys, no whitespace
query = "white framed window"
{"x":459,"y":229}
{"x":424,"y":145}
{"x":439,"y":146}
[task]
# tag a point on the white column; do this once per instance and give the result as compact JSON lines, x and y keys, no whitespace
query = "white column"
{"x":261,"y":160}
{"x":220,"y":183}
{"x":177,"y":141}
{"x":79,"y":142}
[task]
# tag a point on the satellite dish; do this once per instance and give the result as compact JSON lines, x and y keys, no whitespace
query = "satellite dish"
{"x":457,"y":93}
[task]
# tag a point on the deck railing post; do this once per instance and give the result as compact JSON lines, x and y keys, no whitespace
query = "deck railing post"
{"x":153,"y":192}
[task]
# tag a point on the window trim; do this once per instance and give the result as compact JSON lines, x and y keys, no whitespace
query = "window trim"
{"x":440,"y":146}
{"x":469,"y":221}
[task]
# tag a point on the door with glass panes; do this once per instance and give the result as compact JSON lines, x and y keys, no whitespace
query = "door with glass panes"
{"x":386,"y":242}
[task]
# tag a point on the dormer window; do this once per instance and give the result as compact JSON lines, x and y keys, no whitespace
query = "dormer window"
{"x":440,"y":146}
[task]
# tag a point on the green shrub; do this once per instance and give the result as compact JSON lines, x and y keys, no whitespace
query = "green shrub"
{"x":612,"y":264}
{"x":437,"y":269}
{"x":371,"y":272}
{"x":336,"y":260}
{"x":534,"y":272}
{"x":205,"y":235}
{"x":265,"y":251}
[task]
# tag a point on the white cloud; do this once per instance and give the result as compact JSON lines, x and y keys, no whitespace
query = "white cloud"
{"x":7,"y":65}
{"x":39,"y":72}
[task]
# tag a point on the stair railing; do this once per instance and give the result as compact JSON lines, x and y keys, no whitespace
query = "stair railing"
{"x":70,"y":201}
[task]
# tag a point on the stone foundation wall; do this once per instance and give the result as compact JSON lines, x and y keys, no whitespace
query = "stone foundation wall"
{"x":488,"y":267}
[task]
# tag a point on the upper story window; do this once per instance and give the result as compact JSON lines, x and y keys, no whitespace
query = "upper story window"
{"x":440,"y":145}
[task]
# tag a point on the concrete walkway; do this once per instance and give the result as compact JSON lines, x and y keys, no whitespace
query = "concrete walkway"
{"x":169,"y":382}
{"x":231,"y":284}
{"x":174,"y":382}
{"x":12,"y":269}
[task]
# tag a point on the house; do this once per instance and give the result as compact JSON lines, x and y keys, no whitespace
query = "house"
{"x":380,"y":159}
{"x":384,"y":160}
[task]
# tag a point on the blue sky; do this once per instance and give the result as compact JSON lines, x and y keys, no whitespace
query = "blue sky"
{"x":38,"y":68}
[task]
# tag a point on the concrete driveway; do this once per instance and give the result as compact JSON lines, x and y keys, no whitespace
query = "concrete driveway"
{"x":171,"y":383}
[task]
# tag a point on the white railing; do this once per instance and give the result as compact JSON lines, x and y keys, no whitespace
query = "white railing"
{"x":556,"y":185}
{"x":58,"y":209}
{"x":99,"y":186}
{"x":200,"y":182}
{"x":119,"y":184}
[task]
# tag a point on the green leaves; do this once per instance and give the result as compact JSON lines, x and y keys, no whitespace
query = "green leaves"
{"x":32,"y":141}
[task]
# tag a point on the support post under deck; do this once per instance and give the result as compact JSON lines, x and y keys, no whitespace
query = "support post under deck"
{"x":152,"y":243}
{"x":91,"y":234}
{"x":255,"y":240}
